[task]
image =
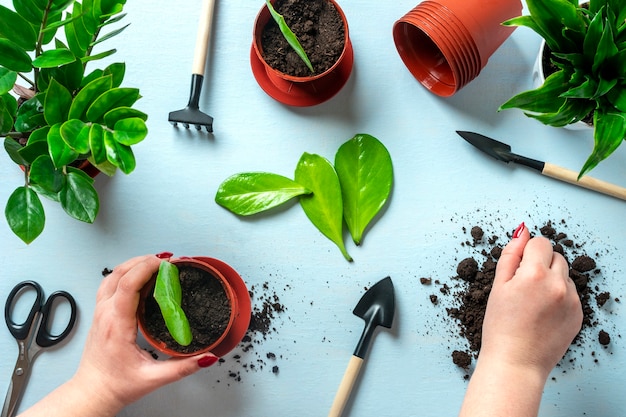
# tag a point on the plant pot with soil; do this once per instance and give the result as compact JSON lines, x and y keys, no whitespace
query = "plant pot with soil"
{"x":321,"y":29}
{"x":585,"y":62}
{"x":214,"y":301}
{"x":62,"y":121}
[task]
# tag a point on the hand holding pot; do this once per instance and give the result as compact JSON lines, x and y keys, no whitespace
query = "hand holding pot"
{"x":114,"y":371}
{"x":533,"y":314}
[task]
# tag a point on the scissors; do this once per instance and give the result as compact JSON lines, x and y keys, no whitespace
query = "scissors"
{"x":32,"y":336}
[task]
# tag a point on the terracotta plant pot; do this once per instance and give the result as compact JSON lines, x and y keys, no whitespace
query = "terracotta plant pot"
{"x":446,"y":43}
{"x":233,"y":328}
{"x":299,"y":90}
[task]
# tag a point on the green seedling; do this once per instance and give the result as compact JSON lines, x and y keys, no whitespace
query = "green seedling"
{"x":168,"y":295}
{"x":291,"y":37}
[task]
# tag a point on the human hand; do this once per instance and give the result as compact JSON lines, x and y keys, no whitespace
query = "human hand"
{"x":112,"y":363}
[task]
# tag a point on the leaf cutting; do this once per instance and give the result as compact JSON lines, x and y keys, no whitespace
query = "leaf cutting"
{"x":168,"y":295}
{"x":291,"y":37}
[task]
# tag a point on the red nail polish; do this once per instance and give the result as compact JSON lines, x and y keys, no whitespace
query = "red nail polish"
{"x":164,"y":255}
{"x":207,"y":361}
{"x":518,"y":232}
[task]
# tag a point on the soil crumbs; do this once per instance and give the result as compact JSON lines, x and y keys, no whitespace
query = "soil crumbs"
{"x":465,"y":296}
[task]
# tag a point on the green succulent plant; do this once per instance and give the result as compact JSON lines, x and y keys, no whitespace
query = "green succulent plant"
{"x":55,"y":113}
{"x":587,"y":45}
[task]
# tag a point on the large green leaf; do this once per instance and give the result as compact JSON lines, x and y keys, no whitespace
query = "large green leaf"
{"x":54,"y":58}
{"x":119,"y":155}
{"x":168,"y":295}
{"x":79,"y":198}
{"x":13,"y":57}
{"x":130,"y":131}
{"x":12,"y":148}
{"x":96,"y":144}
{"x":57,"y":103}
{"x":324,"y":207}
{"x":87,"y":95}
{"x":75,"y":133}
{"x":119,"y":113}
{"x":545,"y":99}
{"x":7,"y":80}
{"x":8,"y":108}
{"x":60,"y":153}
{"x":608,"y":135}
{"x":17,"y":29}
{"x":44,"y":174}
{"x":116,"y":97}
{"x":570,"y":112}
{"x":365,"y":172}
{"x":117,"y":71}
{"x":24,"y":214}
{"x":253,"y":192}
{"x":30,"y":114}
{"x":31,"y":10}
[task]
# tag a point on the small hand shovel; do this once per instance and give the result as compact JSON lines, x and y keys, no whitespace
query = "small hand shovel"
{"x":376,"y":307}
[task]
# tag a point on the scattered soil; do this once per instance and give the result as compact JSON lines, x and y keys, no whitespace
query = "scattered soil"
{"x":319,"y":28}
{"x":205,"y":304}
{"x":468,"y":291}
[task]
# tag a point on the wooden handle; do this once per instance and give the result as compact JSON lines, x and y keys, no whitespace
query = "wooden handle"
{"x":202,"y":40}
{"x":567,"y":175}
{"x":345,"y":388}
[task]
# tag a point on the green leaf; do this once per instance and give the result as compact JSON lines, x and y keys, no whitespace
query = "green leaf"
{"x":96,"y":57}
{"x":365,"y":172}
{"x":12,"y":148}
{"x":75,"y":133}
{"x":24,"y":214}
{"x":44,"y":174}
{"x":60,"y":153}
{"x":96,"y":144}
{"x":253,"y":192}
{"x":570,"y":112}
{"x":78,"y":197}
{"x":291,"y":37}
{"x":77,"y":34}
{"x":609,"y":132}
{"x":7,"y":80}
{"x":17,"y":29}
{"x":116,"y":97}
{"x":552,"y":16}
{"x":118,"y":154}
{"x":13,"y":57}
{"x":324,"y":207}
{"x":34,"y":150}
{"x":117,"y":71}
{"x":87,"y":95}
{"x":54,"y":58}
{"x":31,"y":10}
{"x":8,"y":108}
{"x":545,"y":99}
{"x":111,"y":34}
{"x":130,"y":131}
{"x":168,"y":295}
{"x":30,"y":114}
{"x":57,"y":103}
{"x":113,"y":116}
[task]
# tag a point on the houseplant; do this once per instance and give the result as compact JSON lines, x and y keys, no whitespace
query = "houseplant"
{"x":66,"y":116}
{"x":587,"y":49}
{"x":215,"y":301}
{"x":322,"y":30}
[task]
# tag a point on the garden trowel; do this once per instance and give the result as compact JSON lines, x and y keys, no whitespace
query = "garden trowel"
{"x":376,"y":307}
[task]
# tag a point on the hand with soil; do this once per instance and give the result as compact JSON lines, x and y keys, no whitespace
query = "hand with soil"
{"x":532,"y":316}
{"x":114,"y":371}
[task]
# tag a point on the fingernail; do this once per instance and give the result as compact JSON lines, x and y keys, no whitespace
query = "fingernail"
{"x":207,"y":361}
{"x":518,"y":232}
{"x":164,"y":255}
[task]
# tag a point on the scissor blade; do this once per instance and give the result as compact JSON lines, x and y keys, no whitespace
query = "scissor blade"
{"x":17,"y":386}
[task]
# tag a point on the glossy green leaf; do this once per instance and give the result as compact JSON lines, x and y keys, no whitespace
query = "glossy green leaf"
{"x":44,"y":174}
{"x":96,"y":144}
{"x":7,"y":80}
{"x":117,"y":71}
{"x":111,"y":34}
{"x":119,"y":113}
{"x":31,"y":10}
{"x":253,"y":192}
{"x":130,"y":131}
{"x":57,"y":103}
{"x":78,"y":197}
{"x":12,"y":148}
{"x":75,"y":133}
{"x":30,"y":114}
{"x":25,"y":215}
{"x":87,"y":95}
{"x":54,"y":58}
{"x":325,"y":206}
{"x":13,"y":57}
{"x":365,"y":173}
{"x":34,"y":150}
{"x":8,"y":108}
{"x":96,"y":57}
{"x":545,"y":99}
{"x":290,"y":37}
{"x":60,"y":153}
{"x":17,"y":29}
{"x":116,"y":97}
{"x":168,"y":295}
{"x":609,"y":133}
{"x":119,"y":155}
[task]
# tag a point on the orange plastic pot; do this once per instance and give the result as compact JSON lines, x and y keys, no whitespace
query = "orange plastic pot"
{"x":300,"y":91}
{"x":236,"y":292}
{"x":446,"y":43}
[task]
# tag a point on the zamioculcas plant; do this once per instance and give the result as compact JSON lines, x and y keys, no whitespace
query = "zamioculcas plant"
{"x":65,"y":114}
{"x":352,"y":191}
{"x":587,"y":46}
{"x":290,"y":37}
{"x":168,"y":295}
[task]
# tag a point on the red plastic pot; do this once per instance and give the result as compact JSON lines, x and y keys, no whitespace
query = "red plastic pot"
{"x":446,"y":43}
{"x":299,"y":91}
{"x":236,"y":292}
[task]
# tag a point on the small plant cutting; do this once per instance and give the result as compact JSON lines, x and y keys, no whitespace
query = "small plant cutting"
{"x":289,"y":36}
{"x":587,"y":47}
{"x":64,"y":116}
{"x":353,"y":190}
{"x":168,"y":295}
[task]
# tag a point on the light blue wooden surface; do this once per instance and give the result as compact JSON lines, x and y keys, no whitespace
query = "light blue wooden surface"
{"x":441,"y":185}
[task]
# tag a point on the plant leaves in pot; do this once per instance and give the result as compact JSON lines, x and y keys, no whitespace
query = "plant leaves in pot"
{"x":211,"y":297}
{"x":587,"y":47}
{"x":321,"y":29}
{"x":63,"y":122}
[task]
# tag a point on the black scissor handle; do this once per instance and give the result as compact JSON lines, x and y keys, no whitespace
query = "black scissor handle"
{"x":20,"y":330}
{"x":44,"y":338}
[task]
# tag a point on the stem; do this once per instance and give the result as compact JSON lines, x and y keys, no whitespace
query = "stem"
{"x":25,"y":78}
{"x":39,"y":45}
